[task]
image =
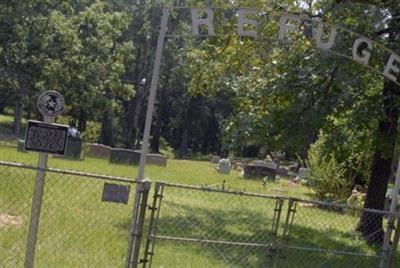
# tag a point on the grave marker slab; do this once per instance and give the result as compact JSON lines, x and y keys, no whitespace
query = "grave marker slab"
{"x":224,"y":166}
{"x":215,"y":159}
{"x":124,"y":156}
{"x":156,"y":159}
{"x":259,"y":171}
{"x":98,"y":150}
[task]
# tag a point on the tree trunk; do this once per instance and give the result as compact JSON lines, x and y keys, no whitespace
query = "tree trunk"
{"x":162,"y":112}
{"x":155,"y":140}
{"x":183,"y":147}
{"x":82,"y":121}
{"x":371,"y":224}
{"x":2,"y":101}
{"x":18,"y":110}
{"x":106,"y":133}
{"x":137,"y":105}
{"x":134,"y":106}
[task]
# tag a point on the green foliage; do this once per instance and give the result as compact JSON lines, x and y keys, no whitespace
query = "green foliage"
{"x":92,"y":132}
{"x":342,"y":156}
{"x":326,"y":176}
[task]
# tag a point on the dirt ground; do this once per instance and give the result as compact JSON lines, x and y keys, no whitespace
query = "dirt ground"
{"x":10,"y":221}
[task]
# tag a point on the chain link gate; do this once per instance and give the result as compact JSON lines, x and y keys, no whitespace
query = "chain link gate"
{"x":192,"y":226}
{"x":77,"y":228}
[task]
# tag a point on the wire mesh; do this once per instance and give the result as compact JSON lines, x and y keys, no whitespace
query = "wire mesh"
{"x":203,"y":228}
{"x":302,"y":257}
{"x":16,"y":190}
{"x":189,"y":226}
{"x":326,"y":235}
{"x":199,"y":227}
{"x":77,"y":228}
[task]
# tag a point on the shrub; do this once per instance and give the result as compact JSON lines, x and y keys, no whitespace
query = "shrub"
{"x":92,"y":132}
{"x":327,"y":176}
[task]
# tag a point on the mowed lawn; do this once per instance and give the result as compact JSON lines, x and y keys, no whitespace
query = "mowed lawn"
{"x":79,"y":230}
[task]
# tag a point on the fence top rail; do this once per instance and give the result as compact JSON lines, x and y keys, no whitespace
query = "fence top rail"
{"x":343,"y":206}
{"x":68,"y":172}
{"x":299,"y":200}
{"x":209,"y":189}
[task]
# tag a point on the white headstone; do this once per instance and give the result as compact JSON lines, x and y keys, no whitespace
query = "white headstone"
{"x":304,"y":173}
{"x":224,"y":166}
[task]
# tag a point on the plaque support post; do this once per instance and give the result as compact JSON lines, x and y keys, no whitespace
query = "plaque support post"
{"x":36,"y":205}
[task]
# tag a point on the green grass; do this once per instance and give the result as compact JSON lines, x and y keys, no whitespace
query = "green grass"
{"x":216,"y":216}
{"x":79,"y":230}
{"x":178,"y":171}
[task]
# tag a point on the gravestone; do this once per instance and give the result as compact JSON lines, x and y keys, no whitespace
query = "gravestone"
{"x":224,"y":166}
{"x":21,"y":146}
{"x":124,"y":156}
{"x":259,"y":171}
{"x":156,"y":159}
{"x":271,"y":165}
{"x":98,"y":150}
{"x":215,"y":159}
{"x":281,"y":171}
{"x":388,"y":199}
{"x":74,"y":148}
{"x":304,"y":173}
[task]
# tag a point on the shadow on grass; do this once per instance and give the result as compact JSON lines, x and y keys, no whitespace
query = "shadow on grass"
{"x":253,"y":226}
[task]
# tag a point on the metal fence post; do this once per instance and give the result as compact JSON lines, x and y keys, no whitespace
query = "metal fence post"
{"x":393,"y":249}
{"x":286,"y":230}
{"x":138,"y":217}
{"x":155,"y":213}
{"x":142,"y":214}
{"x":385,"y":262}
{"x":36,"y":206}
{"x":273,"y":250}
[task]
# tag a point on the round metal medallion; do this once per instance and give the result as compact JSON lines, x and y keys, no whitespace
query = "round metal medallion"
{"x":50,"y":103}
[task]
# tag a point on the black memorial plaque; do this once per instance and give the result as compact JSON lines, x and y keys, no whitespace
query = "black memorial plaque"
{"x":115,"y":193}
{"x":46,"y":138}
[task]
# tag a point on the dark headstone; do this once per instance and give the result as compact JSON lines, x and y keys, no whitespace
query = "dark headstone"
{"x":281,"y":171}
{"x":124,"y":156}
{"x":74,"y":148}
{"x":259,"y":171}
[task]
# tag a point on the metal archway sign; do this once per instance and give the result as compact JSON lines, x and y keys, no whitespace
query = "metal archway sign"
{"x":325,"y":38}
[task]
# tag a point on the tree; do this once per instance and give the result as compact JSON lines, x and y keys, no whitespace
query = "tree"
{"x":371,"y":224}
{"x":20,"y":55}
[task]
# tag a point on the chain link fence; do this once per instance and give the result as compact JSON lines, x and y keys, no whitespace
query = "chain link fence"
{"x":16,"y":191}
{"x":186,"y":226}
{"x":325,"y":235}
{"x":77,"y":228}
{"x":201,"y":227}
